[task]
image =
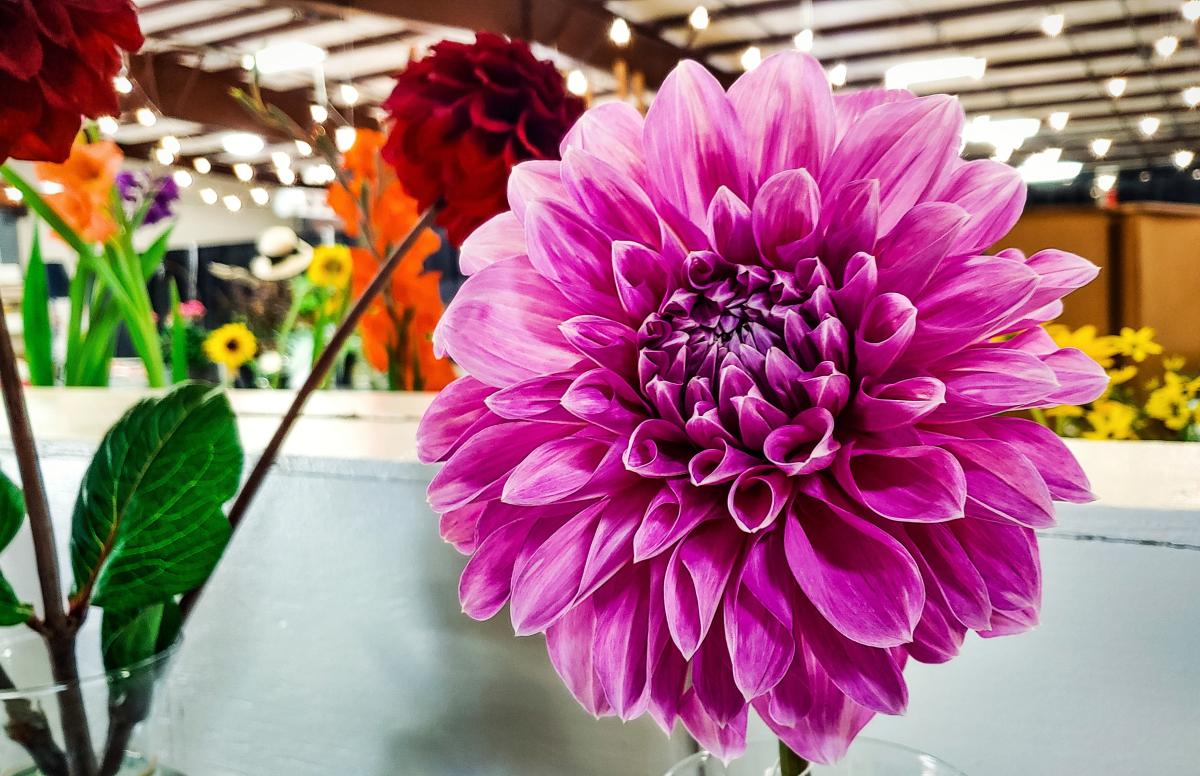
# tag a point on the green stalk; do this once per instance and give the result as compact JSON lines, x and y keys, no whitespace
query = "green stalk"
{"x":179,"y":356}
{"x":790,"y":763}
{"x":77,"y":292}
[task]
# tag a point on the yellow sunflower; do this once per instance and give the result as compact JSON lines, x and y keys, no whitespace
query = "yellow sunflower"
{"x":231,"y":345}
{"x":331,"y":266}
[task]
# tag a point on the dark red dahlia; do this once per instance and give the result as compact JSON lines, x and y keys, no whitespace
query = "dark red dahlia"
{"x":58,"y":59}
{"x":464,"y":115}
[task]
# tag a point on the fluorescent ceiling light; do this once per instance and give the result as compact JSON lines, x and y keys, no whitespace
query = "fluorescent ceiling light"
{"x":1000,"y":133}
{"x":242,"y":143}
{"x":289,"y":55}
{"x":1002,"y":154}
{"x":933,"y":70}
{"x":1047,"y":167}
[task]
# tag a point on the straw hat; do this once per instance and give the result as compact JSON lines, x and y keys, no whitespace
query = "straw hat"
{"x":281,"y":255}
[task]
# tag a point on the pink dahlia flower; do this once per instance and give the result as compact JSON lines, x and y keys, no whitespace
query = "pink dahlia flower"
{"x":735,"y":429}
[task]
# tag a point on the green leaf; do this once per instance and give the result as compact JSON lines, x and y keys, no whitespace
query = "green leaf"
{"x":129,"y":637}
{"x":153,"y":256}
{"x":35,"y":309}
{"x":12,"y":510}
{"x":148,"y":522}
{"x":179,"y":351}
{"x":12,"y":610}
{"x":33,"y":200}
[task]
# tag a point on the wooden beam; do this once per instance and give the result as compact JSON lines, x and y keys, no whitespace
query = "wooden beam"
{"x":207,"y":21}
{"x":575,"y":27}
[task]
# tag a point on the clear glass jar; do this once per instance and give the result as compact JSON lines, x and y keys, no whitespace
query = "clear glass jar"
{"x":120,"y":704}
{"x":867,"y":757}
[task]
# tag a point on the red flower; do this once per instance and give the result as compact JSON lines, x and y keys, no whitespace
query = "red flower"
{"x":465,"y":115}
{"x":57,"y":62}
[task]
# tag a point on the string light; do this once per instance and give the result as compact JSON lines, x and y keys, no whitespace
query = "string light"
{"x":577,"y":83}
{"x":208,"y":196}
{"x":108,"y":125}
{"x":1058,"y":120}
{"x":242,"y":143}
{"x":164,"y":156}
{"x":123,"y":85}
{"x":320,"y":113}
{"x":1183,"y":159}
{"x":202,"y":165}
{"x":183,"y":178}
{"x":837,"y":74}
{"x":303,"y":148}
{"x":349,"y":94}
{"x":243,"y":172}
{"x":698,"y":18}
{"x":286,"y":176}
{"x":14,"y":194}
{"x":280,"y":159}
{"x":619,"y":33}
{"x":1052,"y":24}
{"x":1100,"y":147}
{"x":344,"y":137}
{"x":232,"y":203}
{"x":803,"y":40}
{"x":1166,"y":46}
{"x":1191,"y":96}
{"x":751,"y":58}
{"x":1191,"y":10}
{"x":1149,"y":125}
{"x":170,"y":143}
{"x":145,"y":117}
{"x":260,"y":196}
{"x":1116,"y":86}
{"x":248,"y":62}
{"x":1105,"y":181}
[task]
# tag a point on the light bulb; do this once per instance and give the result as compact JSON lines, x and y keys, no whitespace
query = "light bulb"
{"x":1148,"y":125}
{"x":145,"y":117}
{"x":1052,"y":24}
{"x":320,"y":113}
{"x":1191,"y":96}
{"x":1116,"y":86}
{"x":349,"y":94}
{"x":183,"y":178}
{"x":260,"y":196}
{"x":1100,"y":146}
{"x":242,"y":143}
{"x":1058,"y":120}
{"x":232,"y":202}
{"x":619,"y":33}
{"x":303,"y":148}
{"x":14,"y":194}
{"x":837,"y":74}
{"x":344,"y":137}
{"x":1183,"y":159}
{"x":280,"y":159}
{"x":164,"y":156}
{"x":1166,"y":46}
{"x":803,"y":40}
{"x":202,"y":165}
{"x":698,"y":18}
{"x":107,"y":125}
{"x":1191,"y":10}
{"x":122,"y":84}
{"x":751,"y":58}
{"x":170,"y":143}
{"x":577,"y":83}
{"x":208,"y":196}
{"x":286,"y":176}
{"x":243,"y":172}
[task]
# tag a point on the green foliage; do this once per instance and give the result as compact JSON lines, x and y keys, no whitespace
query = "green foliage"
{"x":152,"y":257}
{"x":148,"y":522}
{"x":12,"y":513}
{"x":129,"y":637}
{"x":35,"y":309}
{"x":179,"y":354}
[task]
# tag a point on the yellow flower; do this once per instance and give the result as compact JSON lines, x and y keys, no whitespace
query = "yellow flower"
{"x":1111,"y":420}
{"x":331,"y":266}
{"x":1173,"y":363}
{"x":1065,"y":411}
{"x":1099,"y":349}
{"x":1122,"y":375}
{"x":1138,"y":343}
{"x":231,"y":345}
{"x":1170,"y":404}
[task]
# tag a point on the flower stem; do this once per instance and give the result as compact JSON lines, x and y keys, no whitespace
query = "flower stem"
{"x":58,"y":628}
{"x":315,"y":378}
{"x":790,"y":763}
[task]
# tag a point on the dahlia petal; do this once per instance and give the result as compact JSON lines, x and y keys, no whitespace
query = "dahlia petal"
{"x":830,"y":341}
{"x":824,"y":734}
{"x":850,"y":107}
{"x":719,"y":465}
{"x":500,"y":238}
{"x":1059,"y":273}
{"x":946,"y":564}
{"x":792,"y":129}
{"x":791,"y":699}
{"x":694,"y":143}
{"x":667,"y":681}
{"x":486,"y":582}
{"x":502,"y":326}
{"x":454,"y":412}
{"x":657,"y":448}
{"x":535,"y":180}
{"x":939,"y":635}
{"x":1002,"y":484}
{"x":727,"y":742}
{"x":805,"y":445}
{"x":756,"y":419}
{"x":695,"y":583}
{"x":920,"y":484}
{"x":908,"y":145}
{"x":537,"y":398}
{"x":870,"y":676}
{"x":611,"y":132}
{"x":985,"y":381}
{"x":619,"y":650}
{"x":786,"y":211}
{"x":1063,"y":475}
{"x":458,"y":527}
{"x":1007,"y":558}
{"x":572,"y":255}
{"x":712,"y":677}
{"x":569,"y":643}
{"x":603,"y":399}
{"x":1080,"y":378}
{"x":612,"y":540}
{"x":641,"y":277}
{"x":479,"y":467}
{"x":827,"y":387}
{"x":549,"y":581}
{"x":992,"y":193}
{"x":850,"y":221}
{"x":859,"y":578}
{"x":1012,"y":622}
{"x":618,"y":206}
{"x":881,"y":406}
{"x":757,"y":497}
{"x":672,"y":514}
{"x":888,"y":326}
{"x":730,"y":227}
{"x":606,"y":342}
{"x":554,"y":471}
{"x":861,"y":282}
{"x":909,"y":255}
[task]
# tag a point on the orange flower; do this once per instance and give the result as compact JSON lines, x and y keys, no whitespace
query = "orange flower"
{"x":87,"y":178}
{"x":362,"y":159}
{"x":391,"y":211}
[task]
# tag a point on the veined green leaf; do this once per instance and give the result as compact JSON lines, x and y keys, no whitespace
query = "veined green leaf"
{"x":12,"y":510}
{"x":13,"y":611}
{"x":152,"y":257}
{"x":35,"y":310}
{"x":148,"y":522}
{"x":129,"y":637}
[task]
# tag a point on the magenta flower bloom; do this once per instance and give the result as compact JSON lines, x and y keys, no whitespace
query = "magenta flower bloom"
{"x":734,"y":430}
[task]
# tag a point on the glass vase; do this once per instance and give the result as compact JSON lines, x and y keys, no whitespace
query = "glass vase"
{"x":867,"y":757}
{"x":116,"y":709}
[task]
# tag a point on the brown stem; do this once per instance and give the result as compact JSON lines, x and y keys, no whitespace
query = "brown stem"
{"x":790,"y":763}
{"x":314,"y":380}
{"x":59,"y":628}
{"x":27,"y":726}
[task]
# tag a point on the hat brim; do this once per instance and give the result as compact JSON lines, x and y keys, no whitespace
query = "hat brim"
{"x":264,"y":268}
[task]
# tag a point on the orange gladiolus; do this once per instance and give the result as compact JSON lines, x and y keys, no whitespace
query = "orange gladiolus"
{"x":87,"y":178}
